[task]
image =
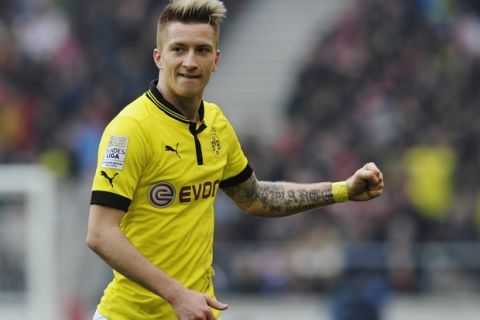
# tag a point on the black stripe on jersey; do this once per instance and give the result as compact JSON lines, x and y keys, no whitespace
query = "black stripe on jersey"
{"x":157,"y":98}
{"x":198,"y":146}
{"x":165,"y":109}
{"x":239,"y":178}
{"x":111,"y":200}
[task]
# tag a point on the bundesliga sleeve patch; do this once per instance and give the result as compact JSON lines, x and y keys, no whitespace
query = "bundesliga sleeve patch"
{"x":114,"y":157}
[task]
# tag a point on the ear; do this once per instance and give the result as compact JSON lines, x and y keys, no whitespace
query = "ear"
{"x":157,"y":58}
{"x":217,"y":60}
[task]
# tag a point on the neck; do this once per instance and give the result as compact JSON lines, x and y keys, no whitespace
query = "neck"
{"x":186,"y":105}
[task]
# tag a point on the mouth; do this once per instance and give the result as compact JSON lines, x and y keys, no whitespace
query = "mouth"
{"x":189,"y":76}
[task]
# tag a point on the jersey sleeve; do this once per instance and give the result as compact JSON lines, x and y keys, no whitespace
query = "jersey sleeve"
{"x":237,"y":170}
{"x":122,"y":156}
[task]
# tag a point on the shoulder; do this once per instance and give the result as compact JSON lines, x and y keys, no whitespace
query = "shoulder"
{"x":139,"y":109}
{"x":132,"y":119}
{"x":216,"y":114}
{"x":211,"y":107}
{"x":136,"y":115}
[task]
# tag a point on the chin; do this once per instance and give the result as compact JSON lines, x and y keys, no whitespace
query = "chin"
{"x":189,"y":92}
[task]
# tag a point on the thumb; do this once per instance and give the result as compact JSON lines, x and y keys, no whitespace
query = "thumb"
{"x":215,"y":303}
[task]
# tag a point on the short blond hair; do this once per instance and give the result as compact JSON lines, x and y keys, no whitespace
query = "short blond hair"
{"x":212,"y":12}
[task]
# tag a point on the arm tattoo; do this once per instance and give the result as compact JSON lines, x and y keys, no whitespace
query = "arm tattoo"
{"x":279,"y":198}
{"x":244,"y":193}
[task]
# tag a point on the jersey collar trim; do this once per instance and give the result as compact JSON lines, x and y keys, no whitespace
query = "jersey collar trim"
{"x":157,"y":98}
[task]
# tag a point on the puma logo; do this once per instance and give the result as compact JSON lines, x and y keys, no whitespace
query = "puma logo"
{"x":104,"y":174}
{"x":172,"y":149}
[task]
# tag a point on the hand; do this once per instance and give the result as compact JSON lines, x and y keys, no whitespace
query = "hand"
{"x":366,"y":183}
{"x":193,"y":305}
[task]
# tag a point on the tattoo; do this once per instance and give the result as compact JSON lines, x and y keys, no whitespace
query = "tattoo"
{"x":291,"y":210}
{"x":244,"y":193}
{"x":279,"y":198}
{"x":291,"y":198}
{"x":271,"y":198}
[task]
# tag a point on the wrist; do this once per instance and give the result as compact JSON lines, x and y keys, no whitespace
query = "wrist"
{"x":340,"y":191}
{"x":173,"y":292}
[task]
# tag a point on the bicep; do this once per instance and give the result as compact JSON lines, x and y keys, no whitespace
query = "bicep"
{"x":102,"y":220}
{"x":104,"y":216}
{"x":244,"y":194}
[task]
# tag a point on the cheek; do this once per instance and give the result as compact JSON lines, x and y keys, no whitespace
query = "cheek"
{"x":159,"y":64}
{"x":165,"y":61}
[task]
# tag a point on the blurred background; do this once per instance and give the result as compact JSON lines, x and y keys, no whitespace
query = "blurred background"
{"x":315,"y":89}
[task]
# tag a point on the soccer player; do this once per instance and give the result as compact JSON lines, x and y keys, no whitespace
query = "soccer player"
{"x":162,"y":161}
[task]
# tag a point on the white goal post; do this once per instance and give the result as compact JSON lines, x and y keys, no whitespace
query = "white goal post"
{"x":35,"y":185}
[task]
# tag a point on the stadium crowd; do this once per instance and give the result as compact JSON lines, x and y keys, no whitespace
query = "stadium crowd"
{"x":394,"y":82}
{"x":66,"y":68}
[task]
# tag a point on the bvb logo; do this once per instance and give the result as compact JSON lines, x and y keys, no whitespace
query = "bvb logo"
{"x":216,"y":146}
{"x":161,"y":194}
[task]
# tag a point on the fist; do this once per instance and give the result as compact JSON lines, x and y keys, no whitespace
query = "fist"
{"x":366,"y":183}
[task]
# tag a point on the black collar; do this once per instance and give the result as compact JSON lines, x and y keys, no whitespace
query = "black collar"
{"x":157,"y":98}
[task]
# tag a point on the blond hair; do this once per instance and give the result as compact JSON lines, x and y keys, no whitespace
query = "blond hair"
{"x":212,"y":12}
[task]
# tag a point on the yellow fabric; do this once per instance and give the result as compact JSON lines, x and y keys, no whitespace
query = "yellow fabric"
{"x":339,"y":191}
{"x":159,"y":163}
{"x":429,"y":183}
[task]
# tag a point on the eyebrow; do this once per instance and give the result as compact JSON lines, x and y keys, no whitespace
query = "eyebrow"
{"x":180,"y":43}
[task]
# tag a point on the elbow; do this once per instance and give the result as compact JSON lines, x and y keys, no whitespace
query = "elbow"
{"x":103,"y":225}
{"x":93,"y":240}
{"x":246,"y":209}
{"x":253,"y":211}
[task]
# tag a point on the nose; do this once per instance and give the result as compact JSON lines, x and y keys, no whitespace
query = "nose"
{"x":190,"y":62}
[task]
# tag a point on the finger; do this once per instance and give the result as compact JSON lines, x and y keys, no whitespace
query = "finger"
{"x":381,"y":176}
{"x":377,"y":185}
{"x":379,"y":182}
{"x":373,"y":167}
{"x":376,"y":188}
{"x":210,"y":315}
{"x":215,"y":303}
{"x":368,"y":175}
{"x":375,"y":193}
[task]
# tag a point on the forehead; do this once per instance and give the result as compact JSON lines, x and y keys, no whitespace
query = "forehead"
{"x":190,"y":33}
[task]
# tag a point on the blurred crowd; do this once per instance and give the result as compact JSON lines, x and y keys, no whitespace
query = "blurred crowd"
{"x":66,"y":67}
{"x":394,"y":82}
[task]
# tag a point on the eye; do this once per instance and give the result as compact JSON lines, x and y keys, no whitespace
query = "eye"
{"x":204,"y":50}
{"x":177,"y":49}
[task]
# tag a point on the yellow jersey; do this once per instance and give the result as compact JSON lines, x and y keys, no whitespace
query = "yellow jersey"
{"x":165,"y":172}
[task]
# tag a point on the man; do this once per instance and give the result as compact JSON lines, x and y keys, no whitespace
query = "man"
{"x":161,"y":162}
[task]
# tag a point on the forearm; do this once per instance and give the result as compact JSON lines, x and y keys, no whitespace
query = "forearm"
{"x":113,"y":247}
{"x":108,"y":241}
{"x":278,"y":199}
